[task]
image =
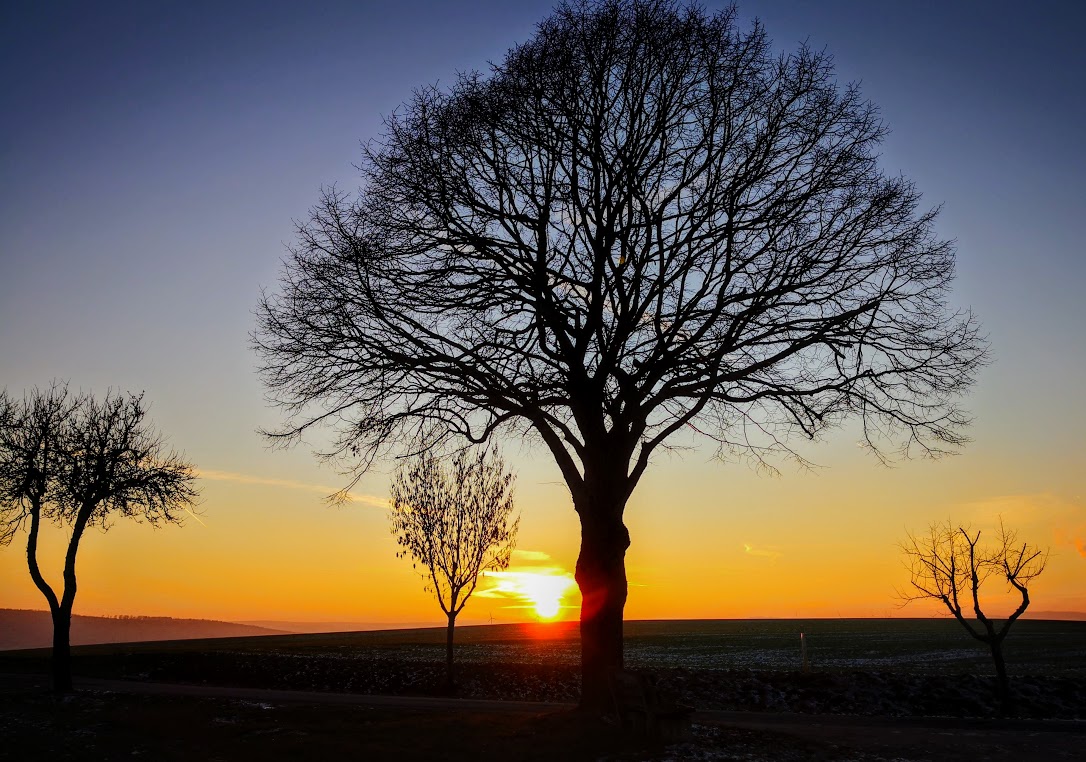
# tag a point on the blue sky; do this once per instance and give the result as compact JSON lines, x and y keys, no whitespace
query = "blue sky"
{"x":153,"y":156}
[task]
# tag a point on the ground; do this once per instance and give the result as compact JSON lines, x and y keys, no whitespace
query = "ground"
{"x":100,"y":723}
{"x":891,"y":690}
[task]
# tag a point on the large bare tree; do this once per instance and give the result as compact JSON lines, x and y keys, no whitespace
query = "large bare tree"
{"x":949,"y":565}
{"x":76,"y":461}
{"x":641,"y":222}
{"x":456,"y":523}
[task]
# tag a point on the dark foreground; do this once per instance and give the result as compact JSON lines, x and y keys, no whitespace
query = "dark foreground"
{"x":876,"y":690}
{"x":106,"y":721}
{"x":867,"y":667}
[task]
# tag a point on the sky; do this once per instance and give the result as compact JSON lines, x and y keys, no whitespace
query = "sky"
{"x":154,"y":155}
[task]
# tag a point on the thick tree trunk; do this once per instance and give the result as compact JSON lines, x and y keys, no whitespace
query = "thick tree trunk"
{"x":601,"y":575}
{"x":449,"y":651}
{"x":61,"y":662}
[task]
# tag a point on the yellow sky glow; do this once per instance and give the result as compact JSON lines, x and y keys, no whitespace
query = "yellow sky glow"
{"x":708,"y":541}
{"x":547,"y":590}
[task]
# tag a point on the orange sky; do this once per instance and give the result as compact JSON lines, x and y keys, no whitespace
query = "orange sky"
{"x":709,"y":540}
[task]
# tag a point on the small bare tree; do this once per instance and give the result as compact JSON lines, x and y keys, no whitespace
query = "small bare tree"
{"x":949,"y":565}
{"x":76,"y":461}
{"x":456,"y":523}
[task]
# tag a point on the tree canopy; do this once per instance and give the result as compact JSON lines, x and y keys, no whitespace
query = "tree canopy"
{"x":641,"y":221}
{"x":456,"y":522}
{"x":641,"y":218}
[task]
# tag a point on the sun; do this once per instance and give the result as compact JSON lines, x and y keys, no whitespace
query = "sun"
{"x":547,"y":607}
{"x":545,"y":593}
{"x":541,"y":589}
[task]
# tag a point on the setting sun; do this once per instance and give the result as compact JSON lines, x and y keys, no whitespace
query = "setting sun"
{"x":542,"y":590}
{"x":546,"y":593}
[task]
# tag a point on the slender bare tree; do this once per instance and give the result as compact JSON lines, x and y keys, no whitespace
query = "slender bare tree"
{"x":456,"y":524}
{"x":76,"y":461}
{"x":641,"y":222}
{"x":948,"y":565}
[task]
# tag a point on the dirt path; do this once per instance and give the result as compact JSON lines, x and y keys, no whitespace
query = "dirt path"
{"x":905,"y":738}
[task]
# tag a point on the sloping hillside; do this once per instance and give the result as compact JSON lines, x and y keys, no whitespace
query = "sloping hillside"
{"x":20,"y":628}
{"x":1064,"y":616}
{"x":318,"y":627}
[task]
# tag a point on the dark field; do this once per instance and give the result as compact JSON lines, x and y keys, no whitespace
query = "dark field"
{"x":886,"y":670}
{"x":1034,"y":647}
{"x":861,"y":666}
{"x":102,"y":726}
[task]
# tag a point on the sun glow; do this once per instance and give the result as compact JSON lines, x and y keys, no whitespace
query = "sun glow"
{"x":546,"y":593}
{"x":542,"y":589}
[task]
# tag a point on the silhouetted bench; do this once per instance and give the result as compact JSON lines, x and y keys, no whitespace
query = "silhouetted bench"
{"x":640,"y":707}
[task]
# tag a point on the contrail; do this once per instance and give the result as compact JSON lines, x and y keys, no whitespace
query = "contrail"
{"x":230,"y":476}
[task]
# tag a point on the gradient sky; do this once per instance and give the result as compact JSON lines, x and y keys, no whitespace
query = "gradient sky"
{"x":153,"y":155}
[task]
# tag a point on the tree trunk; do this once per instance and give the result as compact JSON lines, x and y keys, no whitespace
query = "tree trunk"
{"x":601,"y":576}
{"x":449,"y":651}
{"x":61,"y":662}
{"x":62,"y":614}
{"x":1003,"y":686}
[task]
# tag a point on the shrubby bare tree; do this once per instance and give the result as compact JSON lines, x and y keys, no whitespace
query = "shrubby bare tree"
{"x":456,"y":523}
{"x":641,"y":222}
{"x":75,"y":461}
{"x":949,"y":565}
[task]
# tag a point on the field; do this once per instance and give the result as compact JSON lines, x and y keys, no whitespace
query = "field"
{"x":108,"y":726}
{"x":858,"y":666}
{"x":869,"y":673}
{"x":1053,"y":648}
{"x":1034,"y":647}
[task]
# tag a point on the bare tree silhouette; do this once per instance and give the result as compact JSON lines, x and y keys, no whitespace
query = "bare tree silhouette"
{"x":78,"y":462}
{"x":456,"y":523}
{"x":641,"y":222}
{"x":948,"y":565}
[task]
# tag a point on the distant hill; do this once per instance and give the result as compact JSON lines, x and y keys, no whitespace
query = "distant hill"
{"x":1067,"y":616}
{"x":318,"y":627}
{"x":20,"y":628}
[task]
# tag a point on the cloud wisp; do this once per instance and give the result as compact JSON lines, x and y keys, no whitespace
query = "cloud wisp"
{"x":1033,"y":516}
{"x":529,"y":556}
{"x":236,"y":478}
{"x":769,"y":552}
{"x":1074,"y":537}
